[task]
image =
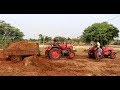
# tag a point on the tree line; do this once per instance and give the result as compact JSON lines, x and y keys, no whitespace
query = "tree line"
{"x":97,"y":32}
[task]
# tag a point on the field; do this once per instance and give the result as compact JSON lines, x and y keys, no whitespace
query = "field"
{"x":81,"y":65}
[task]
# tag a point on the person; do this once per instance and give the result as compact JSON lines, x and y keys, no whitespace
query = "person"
{"x":55,"y":42}
{"x":99,"y":49}
{"x":98,"y":45}
{"x":100,"y":52}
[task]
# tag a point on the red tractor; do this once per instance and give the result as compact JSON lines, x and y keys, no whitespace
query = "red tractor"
{"x":56,"y":51}
{"x":106,"y":52}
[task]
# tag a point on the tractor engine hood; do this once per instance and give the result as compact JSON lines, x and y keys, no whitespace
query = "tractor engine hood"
{"x":63,"y":46}
{"x":107,"y":48}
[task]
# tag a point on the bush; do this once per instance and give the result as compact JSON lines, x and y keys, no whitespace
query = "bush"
{"x":117,"y":42}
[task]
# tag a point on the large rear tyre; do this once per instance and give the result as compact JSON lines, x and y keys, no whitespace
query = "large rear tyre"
{"x":55,"y":54}
{"x":16,"y":58}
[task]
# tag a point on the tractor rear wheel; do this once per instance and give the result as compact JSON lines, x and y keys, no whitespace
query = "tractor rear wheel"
{"x":90,"y":55}
{"x":112,"y":55}
{"x":16,"y":58}
{"x":55,"y":53}
{"x":71,"y":55}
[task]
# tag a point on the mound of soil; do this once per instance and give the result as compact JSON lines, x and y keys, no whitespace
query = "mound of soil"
{"x":22,"y":45}
{"x":2,"y":54}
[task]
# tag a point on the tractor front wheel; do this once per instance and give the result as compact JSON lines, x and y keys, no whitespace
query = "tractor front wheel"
{"x":112,"y":55}
{"x":71,"y":55}
{"x":55,"y":53}
{"x":90,"y":55}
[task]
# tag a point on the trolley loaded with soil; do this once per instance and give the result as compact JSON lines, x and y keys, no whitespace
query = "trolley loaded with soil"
{"x":19,"y":50}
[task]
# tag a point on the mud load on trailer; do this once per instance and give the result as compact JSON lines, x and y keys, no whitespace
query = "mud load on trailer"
{"x":19,"y":50}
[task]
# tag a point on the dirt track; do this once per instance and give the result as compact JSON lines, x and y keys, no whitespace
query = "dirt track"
{"x":81,"y":65}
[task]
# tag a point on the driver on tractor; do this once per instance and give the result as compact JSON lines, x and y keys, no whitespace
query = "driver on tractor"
{"x":55,"y":42}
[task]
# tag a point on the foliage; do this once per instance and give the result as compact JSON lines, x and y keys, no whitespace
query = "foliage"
{"x":44,"y":39}
{"x":9,"y":33}
{"x":60,"y":39}
{"x":100,"y":32}
{"x":116,"y":42}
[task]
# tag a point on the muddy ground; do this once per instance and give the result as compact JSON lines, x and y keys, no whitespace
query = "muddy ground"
{"x":81,"y":65}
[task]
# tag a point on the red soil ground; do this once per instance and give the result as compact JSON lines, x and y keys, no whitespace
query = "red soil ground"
{"x":81,"y":65}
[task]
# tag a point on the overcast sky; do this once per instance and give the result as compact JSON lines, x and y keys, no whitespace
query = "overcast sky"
{"x":67,"y":25}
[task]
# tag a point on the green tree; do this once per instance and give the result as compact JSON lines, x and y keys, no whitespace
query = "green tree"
{"x":43,"y":39}
{"x":69,"y":40}
{"x":33,"y":39}
{"x":60,"y":39}
{"x":102,"y":32}
{"x":9,"y":33}
{"x":47,"y":38}
{"x":76,"y":39}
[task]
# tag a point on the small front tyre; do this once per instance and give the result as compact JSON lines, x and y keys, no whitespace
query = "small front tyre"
{"x":71,"y":55}
{"x":112,"y":55}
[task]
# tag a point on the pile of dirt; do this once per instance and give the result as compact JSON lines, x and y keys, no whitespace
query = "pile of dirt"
{"x":23,"y":45}
{"x":3,"y":55}
{"x":29,"y":60}
{"x":40,"y":62}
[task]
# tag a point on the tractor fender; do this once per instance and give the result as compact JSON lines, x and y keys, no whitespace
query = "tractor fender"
{"x":49,"y":48}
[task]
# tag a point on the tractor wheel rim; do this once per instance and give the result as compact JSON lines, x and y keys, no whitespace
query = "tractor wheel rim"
{"x":55,"y":54}
{"x":72,"y":55}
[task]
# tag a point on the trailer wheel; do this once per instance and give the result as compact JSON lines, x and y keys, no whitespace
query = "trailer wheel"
{"x":15,"y":58}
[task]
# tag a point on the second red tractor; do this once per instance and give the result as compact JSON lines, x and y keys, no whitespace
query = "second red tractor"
{"x":106,"y":52}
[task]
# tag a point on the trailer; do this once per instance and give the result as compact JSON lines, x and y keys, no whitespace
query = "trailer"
{"x":19,"y":53}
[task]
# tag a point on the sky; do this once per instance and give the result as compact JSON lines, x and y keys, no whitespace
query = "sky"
{"x":66,"y":25}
